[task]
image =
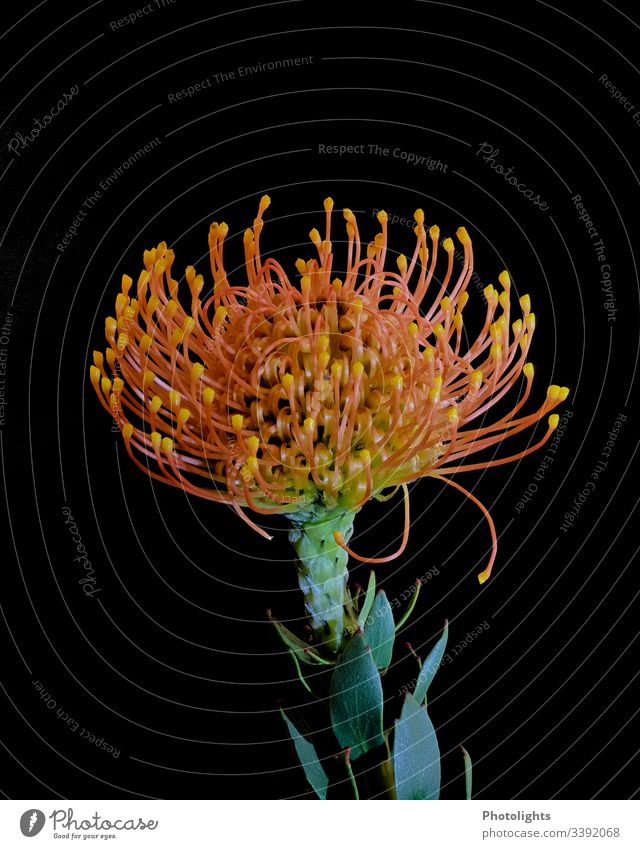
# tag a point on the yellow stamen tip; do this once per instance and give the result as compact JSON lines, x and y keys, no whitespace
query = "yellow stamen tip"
{"x":236,"y":422}
{"x":167,"y":445}
{"x":328,"y":204}
{"x":155,"y":403}
{"x":183,"y":415}
{"x":94,"y":373}
{"x":448,"y":245}
{"x":434,"y":232}
{"x":528,"y":371}
{"x":197,"y":370}
{"x":174,"y":398}
{"x":336,"y":369}
{"x":208,"y":395}
{"x":462,"y":234}
{"x":525,"y":303}
{"x":118,"y":384}
{"x":382,"y":216}
{"x":452,"y":415}
{"x":126,"y":283}
{"x":220,"y":314}
{"x":127,"y":431}
{"x":348,"y":214}
{"x":145,"y":342}
{"x":563,"y":394}
{"x":105,"y":383}
{"x":287,"y":381}
{"x":309,"y":423}
{"x":156,"y":439}
{"x":357,"y":369}
{"x":301,"y":266}
{"x":253,"y":443}
{"x":314,"y":235}
{"x":413,"y":329}
{"x":402,"y":263}
{"x":554,"y":421}
{"x":504,"y":279}
{"x":265,"y":201}
{"x":419,"y":216}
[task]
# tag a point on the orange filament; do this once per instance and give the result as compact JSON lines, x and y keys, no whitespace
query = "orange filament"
{"x":405,"y":538}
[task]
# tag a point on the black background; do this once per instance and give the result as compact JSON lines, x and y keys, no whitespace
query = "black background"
{"x":172,"y":661}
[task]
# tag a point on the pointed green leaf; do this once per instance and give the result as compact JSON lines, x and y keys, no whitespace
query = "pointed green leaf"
{"x":416,"y":756}
{"x":313,"y":769}
{"x":302,"y":651}
{"x":380,"y":631}
{"x":430,"y":666}
{"x":468,"y":769}
{"x":368,"y":599}
{"x":356,"y":699}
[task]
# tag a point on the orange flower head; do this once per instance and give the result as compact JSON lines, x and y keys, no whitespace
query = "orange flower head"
{"x":277,"y":396}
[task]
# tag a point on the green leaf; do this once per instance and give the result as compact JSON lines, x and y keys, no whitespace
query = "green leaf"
{"x":313,"y":769}
{"x":368,"y":599}
{"x":430,"y":666}
{"x":468,"y":769}
{"x":411,"y":605}
{"x":416,"y":756}
{"x":302,"y":651}
{"x":355,"y":702}
{"x":380,"y":631}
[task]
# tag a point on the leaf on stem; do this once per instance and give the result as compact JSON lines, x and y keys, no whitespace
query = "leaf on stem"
{"x":416,"y":755}
{"x":313,"y":769}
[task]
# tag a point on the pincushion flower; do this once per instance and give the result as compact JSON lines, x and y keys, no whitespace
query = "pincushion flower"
{"x":310,"y":398}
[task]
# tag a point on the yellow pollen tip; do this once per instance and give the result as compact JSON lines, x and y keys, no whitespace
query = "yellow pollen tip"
{"x":265,"y":201}
{"x":110,"y":326}
{"x":452,"y":415}
{"x":127,"y":431}
{"x":301,"y":266}
{"x":413,"y":329}
{"x":145,"y":342}
{"x":504,"y":279}
{"x":563,"y":394}
{"x":287,"y":381}
{"x":155,"y":403}
{"x":349,"y":216}
{"x":236,"y":422}
{"x":171,"y":308}
{"x":337,"y":284}
{"x":176,"y":336}
{"x":476,"y":379}
{"x":396,"y":382}
{"x":525,"y":303}
{"x":336,"y":369}
{"x":223,"y":229}
{"x":208,"y":395}
{"x":167,"y":445}
{"x":98,"y":358}
{"x":305,"y":285}
{"x":174,"y":399}
{"x":462,"y":234}
{"x":253,"y":443}
{"x":357,"y":369}
{"x":315,"y":236}
{"x":528,"y":371}
{"x":105,"y":383}
{"x":118,"y":384}
{"x":323,"y":359}
{"x":220,"y":314}
{"x":531,"y":322}
{"x":94,"y":373}
{"x":126,"y":283}
{"x":419,"y":216}
{"x":156,"y":439}
{"x":111,"y":357}
{"x":183,"y":415}
{"x":309,"y":423}
{"x":382,"y":216}
{"x":356,"y":306}
{"x":554,"y":421}
{"x":196,"y":370}
{"x":252,"y":464}
{"x":328,"y":204}
{"x":434,"y":232}
{"x":438,"y":330}
{"x":448,"y":245}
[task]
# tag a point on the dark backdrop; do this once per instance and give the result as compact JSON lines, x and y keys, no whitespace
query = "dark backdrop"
{"x":170,"y":662}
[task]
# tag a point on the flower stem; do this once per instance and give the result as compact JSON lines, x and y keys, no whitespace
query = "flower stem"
{"x":323,"y":574}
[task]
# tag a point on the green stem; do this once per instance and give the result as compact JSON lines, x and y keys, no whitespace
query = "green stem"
{"x":323,"y":574}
